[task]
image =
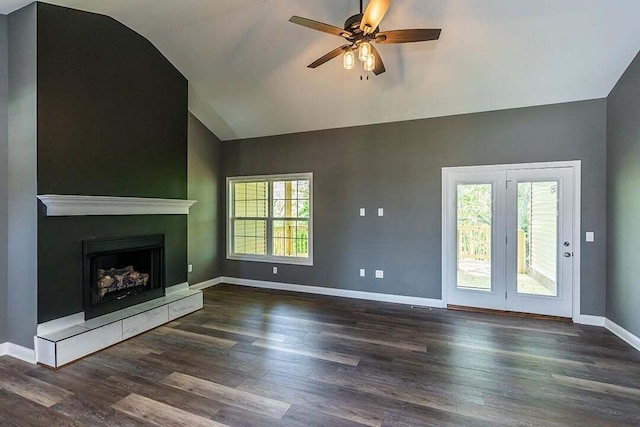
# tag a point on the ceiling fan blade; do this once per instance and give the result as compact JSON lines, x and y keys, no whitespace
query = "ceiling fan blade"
{"x":320,"y":26}
{"x":328,"y":57}
{"x":408,"y":36}
{"x":373,"y":15}
{"x":379,"y":64}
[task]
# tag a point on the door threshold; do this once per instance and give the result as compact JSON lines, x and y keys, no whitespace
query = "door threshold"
{"x":510,"y":313}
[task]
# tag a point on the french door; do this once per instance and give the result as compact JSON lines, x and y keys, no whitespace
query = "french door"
{"x":508,"y":238}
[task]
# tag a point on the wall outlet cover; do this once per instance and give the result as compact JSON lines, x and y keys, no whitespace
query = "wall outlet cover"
{"x":591,"y":236}
{"x":363,"y":211}
{"x":362,"y":272}
{"x":379,"y":274}
{"x":275,"y":270}
{"x":190,"y":268}
{"x":380,"y":211}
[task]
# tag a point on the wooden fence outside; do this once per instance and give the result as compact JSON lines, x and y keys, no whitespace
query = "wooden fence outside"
{"x":474,"y":243}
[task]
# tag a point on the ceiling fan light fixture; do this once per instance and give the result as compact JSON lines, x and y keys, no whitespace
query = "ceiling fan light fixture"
{"x":364,"y":51}
{"x":370,"y":63}
{"x":349,"y":59}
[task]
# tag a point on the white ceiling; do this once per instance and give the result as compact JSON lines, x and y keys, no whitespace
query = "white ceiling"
{"x":247,"y":65}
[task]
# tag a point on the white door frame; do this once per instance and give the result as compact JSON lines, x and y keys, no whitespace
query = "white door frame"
{"x":447,"y":173}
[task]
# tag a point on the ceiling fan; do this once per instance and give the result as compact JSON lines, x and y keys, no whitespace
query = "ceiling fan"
{"x":362,"y":29}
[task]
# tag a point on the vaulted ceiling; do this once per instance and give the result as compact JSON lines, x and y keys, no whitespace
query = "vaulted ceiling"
{"x":247,"y":72}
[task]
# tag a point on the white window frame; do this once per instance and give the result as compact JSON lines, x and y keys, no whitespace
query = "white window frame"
{"x":270,"y":218}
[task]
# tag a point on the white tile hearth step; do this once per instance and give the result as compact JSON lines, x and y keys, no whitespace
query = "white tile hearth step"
{"x":70,"y":344}
{"x":134,"y":325}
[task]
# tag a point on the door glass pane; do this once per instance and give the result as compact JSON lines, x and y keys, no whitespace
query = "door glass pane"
{"x":474,"y":220}
{"x":537,"y":238}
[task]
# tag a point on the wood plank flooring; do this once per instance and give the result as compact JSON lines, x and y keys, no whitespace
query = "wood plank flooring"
{"x":256,"y":357}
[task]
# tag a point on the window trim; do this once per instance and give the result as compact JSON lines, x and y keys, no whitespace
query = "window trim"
{"x":268,"y":258}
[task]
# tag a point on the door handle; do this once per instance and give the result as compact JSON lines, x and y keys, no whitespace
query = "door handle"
{"x":568,"y":254}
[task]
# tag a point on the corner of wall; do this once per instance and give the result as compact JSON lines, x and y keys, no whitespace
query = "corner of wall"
{"x":21,"y":187}
{"x":623,"y":203}
{"x":4,"y":106}
{"x":204,"y":184}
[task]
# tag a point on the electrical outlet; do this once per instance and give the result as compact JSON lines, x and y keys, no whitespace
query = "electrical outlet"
{"x":275,"y":270}
{"x":379,"y":274}
{"x":190,"y":268}
{"x":362,"y":272}
{"x":363,"y":212}
{"x":380,"y":211}
{"x":591,"y":236}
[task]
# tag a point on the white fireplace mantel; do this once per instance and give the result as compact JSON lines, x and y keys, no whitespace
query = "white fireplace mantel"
{"x":69,"y":205}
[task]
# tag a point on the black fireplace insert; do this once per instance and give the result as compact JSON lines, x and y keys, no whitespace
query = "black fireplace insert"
{"x":122,"y":271}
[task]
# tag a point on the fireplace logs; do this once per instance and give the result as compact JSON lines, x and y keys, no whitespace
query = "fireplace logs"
{"x":116,"y":279}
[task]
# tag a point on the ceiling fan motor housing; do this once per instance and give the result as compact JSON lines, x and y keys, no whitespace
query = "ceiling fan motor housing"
{"x":352,"y":24}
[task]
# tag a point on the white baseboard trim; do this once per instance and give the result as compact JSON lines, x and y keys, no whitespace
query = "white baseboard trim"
{"x":207,"y":283}
{"x":586,"y":319}
{"x":622,"y":333}
{"x":25,"y":354}
{"x":344,"y":293}
{"x":613,"y":327}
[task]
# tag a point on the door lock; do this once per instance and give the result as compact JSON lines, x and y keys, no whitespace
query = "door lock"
{"x":568,"y":254}
{"x":567,"y":244}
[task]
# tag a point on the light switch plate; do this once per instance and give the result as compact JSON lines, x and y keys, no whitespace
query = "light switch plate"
{"x":591,"y":236}
{"x":362,"y":272}
{"x":379,"y":274}
{"x":190,"y":268}
{"x":380,"y":211}
{"x":362,"y":212}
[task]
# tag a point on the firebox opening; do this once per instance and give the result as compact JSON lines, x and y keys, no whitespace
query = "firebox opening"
{"x":120,"y":272}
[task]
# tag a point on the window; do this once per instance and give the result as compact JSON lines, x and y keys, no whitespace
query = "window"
{"x":270,"y":218}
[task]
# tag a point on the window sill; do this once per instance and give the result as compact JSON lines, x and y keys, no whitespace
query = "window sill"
{"x":272,"y":260}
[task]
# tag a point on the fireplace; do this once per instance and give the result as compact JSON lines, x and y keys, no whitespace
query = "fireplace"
{"x":120,"y":272}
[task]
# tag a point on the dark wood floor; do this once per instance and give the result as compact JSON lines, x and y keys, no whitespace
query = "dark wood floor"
{"x":255,"y":357}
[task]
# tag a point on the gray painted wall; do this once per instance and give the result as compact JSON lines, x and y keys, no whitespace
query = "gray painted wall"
{"x":4,"y":105}
{"x":22,"y":207}
{"x":623,"y":200}
{"x":204,"y":184}
{"x":398,"y":166}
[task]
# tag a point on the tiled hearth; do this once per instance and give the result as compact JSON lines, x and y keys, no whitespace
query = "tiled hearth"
{"x":56,"y":349}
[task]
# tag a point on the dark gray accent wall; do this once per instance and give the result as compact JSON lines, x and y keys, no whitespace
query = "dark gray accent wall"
{"x":21,"y":202}
{"x":623,"y":200}
{"x":112,"y":120}
{"x":398,"y":167}
{"x":204,"y":184}
{"x":60,"y":253}
{"x":112,"y":110}
{"x":4,"y":144}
